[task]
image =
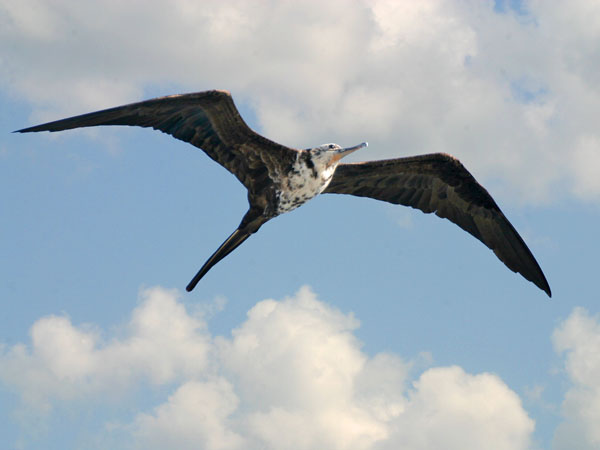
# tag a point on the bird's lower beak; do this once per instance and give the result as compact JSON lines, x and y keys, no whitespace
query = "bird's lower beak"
{"x":346,"y":151}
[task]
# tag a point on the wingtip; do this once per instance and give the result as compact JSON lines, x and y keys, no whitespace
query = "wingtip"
{"x":544,"y":286}
{"x":32,"y":129}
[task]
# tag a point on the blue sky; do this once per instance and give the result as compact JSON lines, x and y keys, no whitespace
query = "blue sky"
{"x":348,"y":323}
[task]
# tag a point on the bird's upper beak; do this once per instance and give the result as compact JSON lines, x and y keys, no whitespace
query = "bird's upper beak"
{"x":346,"y":151}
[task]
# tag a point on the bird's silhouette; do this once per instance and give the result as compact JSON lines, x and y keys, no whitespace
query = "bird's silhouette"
{"x":280,"y":178}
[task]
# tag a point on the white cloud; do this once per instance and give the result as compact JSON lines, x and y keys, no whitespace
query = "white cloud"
{"x":310,"y":345}
{"x":578,"y":338}
{"x":292,"y":376}
{"x":451,"y":409}
{"x":66,"y":362}
{"x":296,"y":362}
{"x":503,"y":92}
{"x":585,"y":161}
{"x":193,"y":417}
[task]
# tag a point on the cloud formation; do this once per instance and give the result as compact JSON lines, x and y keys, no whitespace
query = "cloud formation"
{"x":162,"y":343}
{"x":505,"y":91}
{"x":578,"y":338}
{"x":292,"y":376}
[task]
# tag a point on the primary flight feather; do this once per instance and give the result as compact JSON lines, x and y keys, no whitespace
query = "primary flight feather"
{"x":279,"y":178}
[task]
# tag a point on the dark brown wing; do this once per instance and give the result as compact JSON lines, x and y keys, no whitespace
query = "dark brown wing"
{"x":208,"y":120}
{"x":440,"y":183}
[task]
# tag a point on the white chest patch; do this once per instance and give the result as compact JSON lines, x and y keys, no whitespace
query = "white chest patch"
{"x":303,"y":183}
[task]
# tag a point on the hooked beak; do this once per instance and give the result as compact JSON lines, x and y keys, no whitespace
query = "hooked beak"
{"x":346,"y":151}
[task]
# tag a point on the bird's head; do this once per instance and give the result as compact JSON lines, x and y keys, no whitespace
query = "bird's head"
{"x":328,"y":155}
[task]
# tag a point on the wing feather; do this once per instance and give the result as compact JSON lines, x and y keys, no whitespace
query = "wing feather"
{"x":440,"y":183}
{"x":208,"y":120}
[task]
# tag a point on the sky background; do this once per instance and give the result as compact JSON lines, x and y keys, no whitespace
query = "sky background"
{"x":346,"y":324}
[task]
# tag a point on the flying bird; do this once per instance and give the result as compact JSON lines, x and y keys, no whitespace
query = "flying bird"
{"x":280,"y":179}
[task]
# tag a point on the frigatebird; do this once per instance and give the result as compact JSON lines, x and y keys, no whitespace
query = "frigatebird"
{"x":280,"y":179}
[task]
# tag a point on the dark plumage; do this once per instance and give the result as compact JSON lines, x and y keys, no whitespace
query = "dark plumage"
{"x":280,"y":178}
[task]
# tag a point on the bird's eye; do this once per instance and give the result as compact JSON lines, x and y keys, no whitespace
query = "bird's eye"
{"x":330,"y":146}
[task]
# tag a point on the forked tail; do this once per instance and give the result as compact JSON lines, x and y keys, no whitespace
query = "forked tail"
{"x":232,"y":242}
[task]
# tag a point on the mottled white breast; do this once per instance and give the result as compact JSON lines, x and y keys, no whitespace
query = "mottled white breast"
{"x":304,"y":182}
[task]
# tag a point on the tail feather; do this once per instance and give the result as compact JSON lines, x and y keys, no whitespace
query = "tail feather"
{"x":232,"y":242}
